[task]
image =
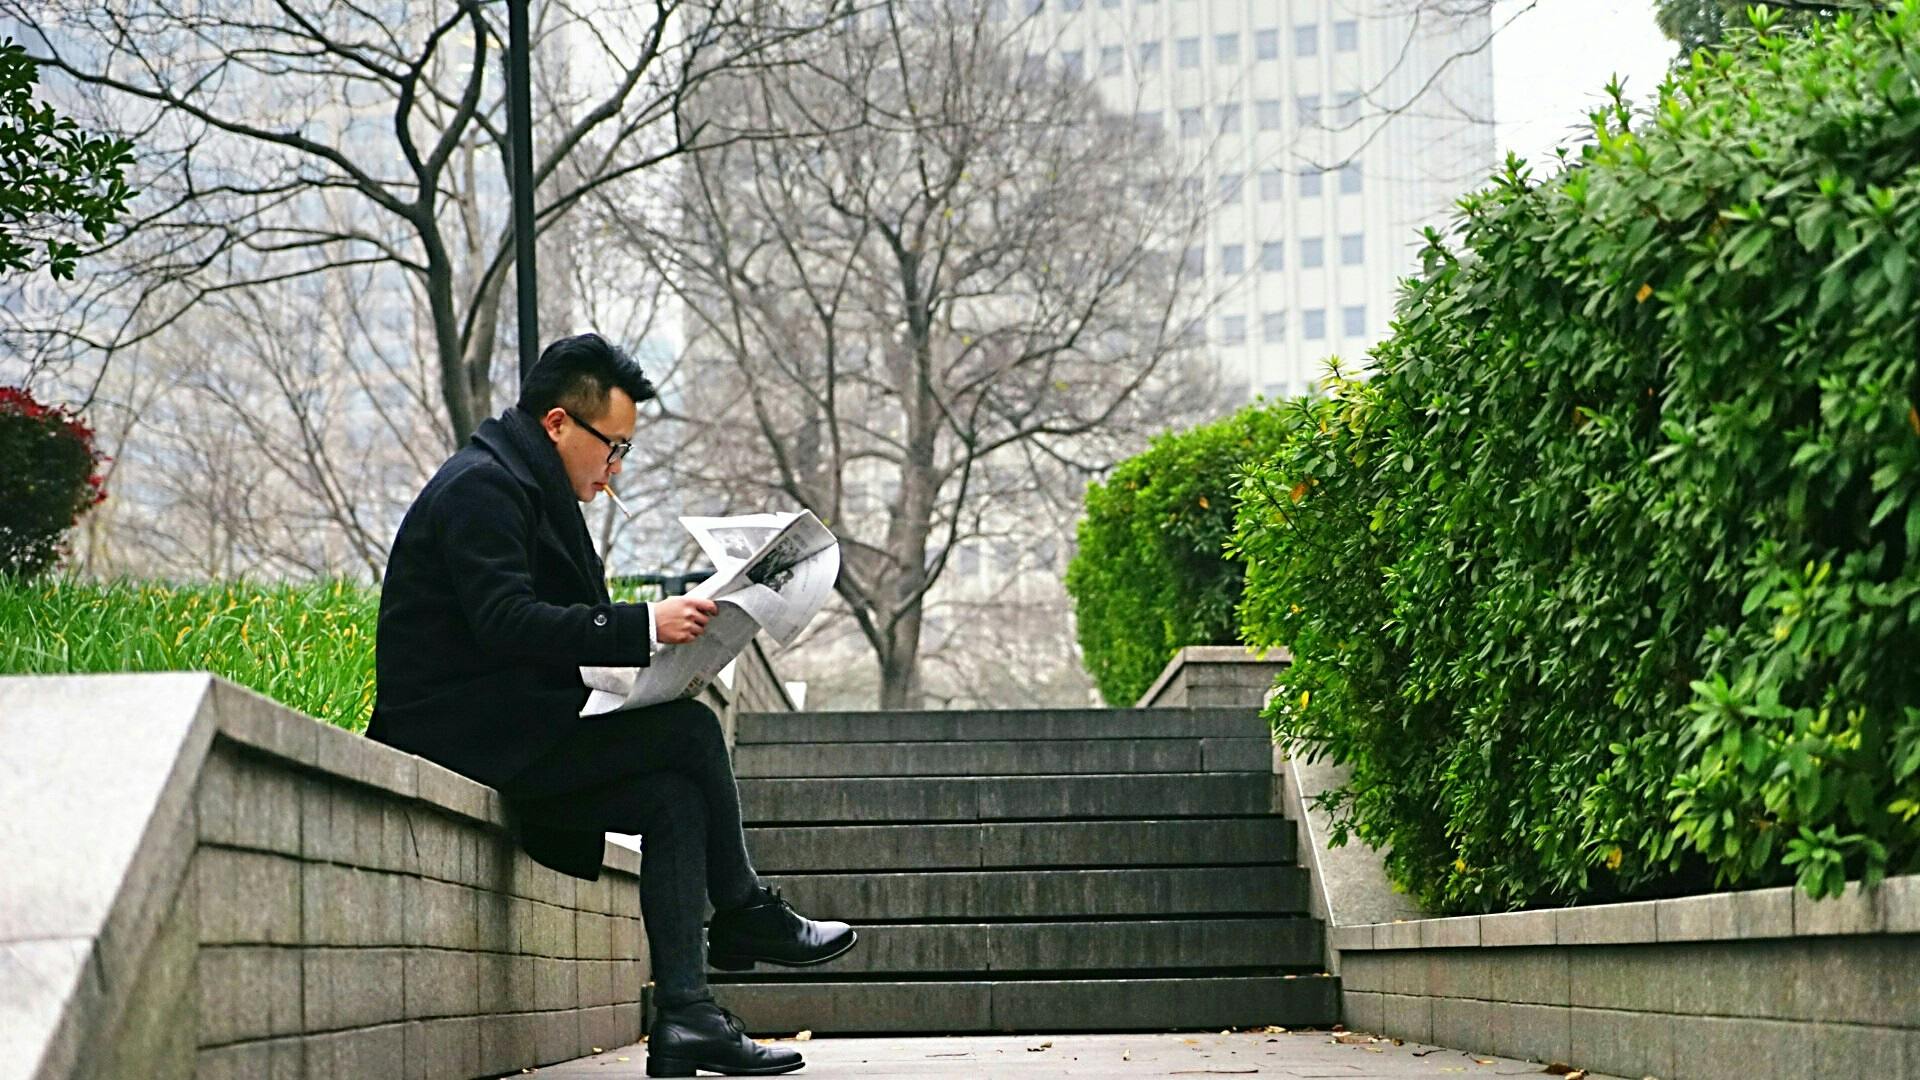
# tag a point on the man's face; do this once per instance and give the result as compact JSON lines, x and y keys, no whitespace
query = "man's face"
{"x":584,"y":454}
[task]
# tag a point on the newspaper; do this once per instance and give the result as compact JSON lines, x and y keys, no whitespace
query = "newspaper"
{"x":772,"y":572}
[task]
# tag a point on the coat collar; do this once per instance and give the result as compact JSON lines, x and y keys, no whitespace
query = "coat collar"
{"x":516,"y":441}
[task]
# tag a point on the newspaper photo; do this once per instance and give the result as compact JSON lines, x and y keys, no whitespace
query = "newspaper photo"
{"x":772,"y":572}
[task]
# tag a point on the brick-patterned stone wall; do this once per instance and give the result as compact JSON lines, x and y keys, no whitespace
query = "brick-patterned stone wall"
{"x":1739,"y":985}
{"x":366,"y":929}
{"x":202,"y":882}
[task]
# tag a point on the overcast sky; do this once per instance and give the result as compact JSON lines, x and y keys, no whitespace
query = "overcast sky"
{"x":1551,"y":64}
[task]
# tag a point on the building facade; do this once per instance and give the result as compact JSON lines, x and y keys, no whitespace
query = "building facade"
{"x":1326,"y":134}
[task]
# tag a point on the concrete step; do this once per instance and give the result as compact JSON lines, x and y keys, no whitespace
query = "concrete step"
{"x":1211,"y":946}
{"x":1039,"y":894}
{"x":993,"y":725}
{"x":1004,"y":798}
{"x":790,"y":849}
{"x":1006,"y":757}
{"x":1037,"y":1005}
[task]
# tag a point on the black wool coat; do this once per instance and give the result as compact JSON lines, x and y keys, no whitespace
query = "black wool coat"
{"x":493,"y":599}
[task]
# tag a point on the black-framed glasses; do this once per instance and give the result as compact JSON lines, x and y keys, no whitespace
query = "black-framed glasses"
{"x":616,"y":448}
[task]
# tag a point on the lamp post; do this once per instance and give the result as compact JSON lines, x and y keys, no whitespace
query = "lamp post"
{"x":520,"y":155}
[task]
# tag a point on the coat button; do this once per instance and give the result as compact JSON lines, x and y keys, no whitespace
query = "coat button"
{"x":600,"y":619}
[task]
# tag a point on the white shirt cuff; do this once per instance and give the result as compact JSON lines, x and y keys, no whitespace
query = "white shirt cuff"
{"x":653,"y":632}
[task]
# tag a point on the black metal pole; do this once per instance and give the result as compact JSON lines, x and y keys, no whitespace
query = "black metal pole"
{"x":520,"y":136}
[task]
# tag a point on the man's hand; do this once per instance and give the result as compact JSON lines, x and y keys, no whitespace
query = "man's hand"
{"x":682,"y":618}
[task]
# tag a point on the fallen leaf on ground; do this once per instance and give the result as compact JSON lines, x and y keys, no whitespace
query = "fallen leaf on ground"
{"x":1126,"y":1055}
{"x":1042,"y":1046}
{"x":1424,"y":1053}
{"x":1209,"y":1072}
{"x":597,"y":1050}
{"x":1483,"y":1061}
{"x":1353,"y":1038}
{"x":1338,"y":1027}
{"x":1274,"y":1029}
{"x":804,"y":1036}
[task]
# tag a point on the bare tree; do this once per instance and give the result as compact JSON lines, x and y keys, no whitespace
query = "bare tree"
{"x":286,"y":140}
{"x":955,"y":282}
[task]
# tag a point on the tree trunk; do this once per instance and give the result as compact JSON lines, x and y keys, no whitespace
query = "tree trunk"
{"x":900,"y":662}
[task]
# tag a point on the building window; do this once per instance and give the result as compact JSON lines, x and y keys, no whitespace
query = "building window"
{"x":1194,"y":332}
{"x":1149,"y":121}
{"x":1072,"y":5}
{"x":1273,"y":256}
{"x":1306,"y":40}
{"x":1229,"y":116}
{"x":1307,"y":106}
{"x":1186,"y":52}
{"x":1266,"y":44}
{"x":1033,"y":6}
{"x":1074,"y":63}
{"x":1272,"y":186}
{"x":1233,"y":259}
{"x":1350,"y":178}
{"x":1346,"y":36}
{"x":1347,"y":108}
{"x":1353,"y":249}
{"x":1110,"y":4}
{"x":1273,"y":326}
{"x":1149,"y":56}
{"x":1230,"y":185}
{"x":1193,"y":123}
{"x":1313,"y":324}
{"x":1112,"y":58}
{"x":1313,"y":253}
{"x":1233,"y":330}
{"x":1226,"y":48}
{"x":1310,"y":183}
{"x":1353,"y":320}
{"x":1195,"y":260}
{"x":1266,"y":114}
{"x":1190,"y":188}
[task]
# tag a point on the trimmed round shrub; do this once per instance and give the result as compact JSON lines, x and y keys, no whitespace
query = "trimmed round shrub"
{"x":49,"y":476}
{"x":1149,"y":575}
{"x":1608,"y":584}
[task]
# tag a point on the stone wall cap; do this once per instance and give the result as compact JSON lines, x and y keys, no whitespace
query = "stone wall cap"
{"x":1745,"y":915}
{"x":1210,"y":654}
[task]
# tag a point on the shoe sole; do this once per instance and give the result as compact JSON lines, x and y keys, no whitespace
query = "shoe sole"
{"x":671,"y":1066}
{"x":745,"y":963}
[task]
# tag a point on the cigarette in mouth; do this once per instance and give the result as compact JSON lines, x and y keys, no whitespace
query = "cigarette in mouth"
{"x":618,"y":503}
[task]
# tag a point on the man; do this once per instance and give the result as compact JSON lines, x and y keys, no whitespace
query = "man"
{"x":493,"y":598}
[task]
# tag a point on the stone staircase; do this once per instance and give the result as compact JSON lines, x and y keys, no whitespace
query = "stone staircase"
{"x":1010,"y":870}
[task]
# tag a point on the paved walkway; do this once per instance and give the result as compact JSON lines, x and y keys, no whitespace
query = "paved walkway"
{"x":1097,"y":1057}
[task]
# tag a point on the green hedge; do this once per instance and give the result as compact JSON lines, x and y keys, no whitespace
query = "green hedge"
{"x":1149,"y":575}
{"x":307,"y":646}
{"x":1608,"y":584}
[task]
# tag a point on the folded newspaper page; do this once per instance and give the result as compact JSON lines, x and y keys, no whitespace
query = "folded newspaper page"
{"x":772,"y":572}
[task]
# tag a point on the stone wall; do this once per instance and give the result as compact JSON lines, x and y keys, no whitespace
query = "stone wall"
{"x":1349,"y":883}
{"x":1764,"y":983}
{"x":201,"y":882}
{"x":1215,"y":675}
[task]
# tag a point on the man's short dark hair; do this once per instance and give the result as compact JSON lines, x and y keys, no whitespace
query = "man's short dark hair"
{"x":577,"y":373}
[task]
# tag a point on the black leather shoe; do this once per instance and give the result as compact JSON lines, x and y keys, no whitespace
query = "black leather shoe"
{"x":769,"y":930}
{"x":705,"y":1036}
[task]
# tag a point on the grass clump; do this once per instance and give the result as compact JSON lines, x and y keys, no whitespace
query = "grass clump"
{"x":309,"y":647}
